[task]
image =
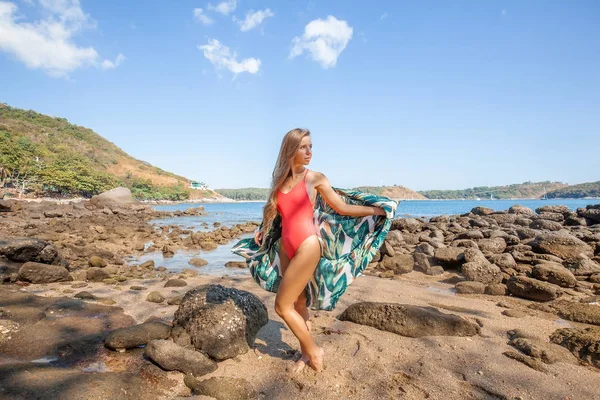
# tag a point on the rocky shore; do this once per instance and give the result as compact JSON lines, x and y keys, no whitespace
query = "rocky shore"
{"x":486,"y":305}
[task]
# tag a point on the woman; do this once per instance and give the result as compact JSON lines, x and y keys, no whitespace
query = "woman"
{"x":291,"y":203}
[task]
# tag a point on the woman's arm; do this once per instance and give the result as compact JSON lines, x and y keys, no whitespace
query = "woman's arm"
{"x":323,"y":186}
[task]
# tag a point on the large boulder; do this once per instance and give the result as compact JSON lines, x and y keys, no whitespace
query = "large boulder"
{"x":221,"y":322}
{"x":450,"y":257}
{"x":410,"y":225}
{"x":552,"y":209}
{"x":24,"y":249}
{"x":481,"y":211}
{"x":408,"y":320}
{"x":43,"y":273}
{"x":486,"y":273}
{"x":532,"y":289}
{"x":593,"y":214}
{"x":544,"y":224}
{"x":173,"y":357}
{"x":554,"y":273}
{"x":518,"y":209}
{"x":114,"y":198}
{"x":583,"y":343}
{"x":493,"y":246}
{"x":562,"y":245}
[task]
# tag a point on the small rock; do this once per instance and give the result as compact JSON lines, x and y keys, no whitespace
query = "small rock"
{"x":137,"y":335}
{"x":85,"y":296}
{"x":147,"y":264}
{"x":198,"y":262}
{"x":514,"y":313}
{"x":173,"y":357}
{"x":175,"y":283}
{"x":496,"y":289}
{"x":175,"y":301}
{"x":137,"y":288}
{"x":221,"y":388}
{"x":235,"y":264}
{"x":96,"y":275}
{"x":35,"y":272}
{"x":97,"y":262}
{"x":532,"y":289}
{"x":155,"y":297}
{"x":470,"y":287}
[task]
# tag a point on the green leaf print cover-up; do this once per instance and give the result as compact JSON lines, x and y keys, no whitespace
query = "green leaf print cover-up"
{"x":348,"y":243}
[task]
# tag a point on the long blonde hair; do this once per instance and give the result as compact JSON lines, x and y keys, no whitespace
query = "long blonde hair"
{"x":283,"y":169}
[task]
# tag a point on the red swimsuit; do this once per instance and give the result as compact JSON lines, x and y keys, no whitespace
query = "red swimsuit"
{"x":296,"y":217}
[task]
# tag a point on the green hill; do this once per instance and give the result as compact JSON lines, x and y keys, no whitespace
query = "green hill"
{"x":588,"y":189}
{"x":47,"y":156}
{"x":525,"y":190}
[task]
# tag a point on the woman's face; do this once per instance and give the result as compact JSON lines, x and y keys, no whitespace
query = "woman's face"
{"x":304,"y":153}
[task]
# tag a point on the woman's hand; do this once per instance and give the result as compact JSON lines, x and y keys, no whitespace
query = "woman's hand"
{"x":258,"y":237}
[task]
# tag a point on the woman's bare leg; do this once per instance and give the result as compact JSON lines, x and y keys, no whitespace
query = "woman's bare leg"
{"x":297,"y":275}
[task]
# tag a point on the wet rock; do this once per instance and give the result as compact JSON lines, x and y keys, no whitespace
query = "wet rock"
{"x":222,"y":322}
{"x":583,"y":343}
{"x":173,"y":357}
{"x":554,"y":273}
{"x":532,"y":289}
{"x":97,"y":262}
{"x":562,"y":245}
{"x":235,"y":264}
{"x":85,"y":296}
{"x":147,"y":265}
{"x":399,"y":264}
{"x":221,"y":388}
{"x":96,"y":275}
{"x":578,"y":312}
{"x":470,"y":287}
{"x":198,"y":262}
{"x":155,"y":297}
{"x":175,"y":283}
{"x":137,"y":335}
{"x":408,"y":320}
{"x":43,"y":273}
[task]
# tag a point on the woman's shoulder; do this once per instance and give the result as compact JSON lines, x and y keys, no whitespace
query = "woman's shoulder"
{"x":316,"y":178}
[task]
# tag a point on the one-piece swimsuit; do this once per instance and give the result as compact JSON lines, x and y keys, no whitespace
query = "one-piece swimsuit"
{"x":296,"y":217}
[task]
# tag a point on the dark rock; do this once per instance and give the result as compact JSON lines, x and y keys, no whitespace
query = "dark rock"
{"x":408,"y":320}
{"x":137,"y":335}
{"x":5,"y":206}
{"x":550,"y":216}
{"x":221,"y":388}
{"x":591,"y":214}
{"x":552,"y":209}
{"x":43,"y":273}
{"x":554,"y":273}
{"x":175,"y":301}
{"x":532,"y":289}
{"x":173,"y":357}
{"x":410,"y":225}
{"x":175,"y":283}
{"x":521,"y":221}
{"x":221,"y":322}
{"x":469,"y":287}
{"x":235,"y":264}
{"x":387,"y":249}
{"x":85,"y":296}
{"x":583,"y":343}
{"x":473,"y":234}
{"x":526,"y":233}
{"x":21,"y":249}
{"x":425,"y":248}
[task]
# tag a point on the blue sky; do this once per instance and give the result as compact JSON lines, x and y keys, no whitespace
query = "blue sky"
{"x":424,"y":94}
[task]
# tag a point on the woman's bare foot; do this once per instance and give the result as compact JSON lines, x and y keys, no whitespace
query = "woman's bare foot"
{"x":316,"y":361}
{"x":301,"y":363}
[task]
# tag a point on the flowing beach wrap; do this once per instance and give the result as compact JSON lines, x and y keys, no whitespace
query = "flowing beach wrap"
{"x":348,"y":244}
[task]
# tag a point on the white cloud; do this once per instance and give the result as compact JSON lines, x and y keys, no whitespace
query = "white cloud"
{"x":202,"y":17}
{"x":107,"y":64}
{"x":324,"y":40}
{"x":47,"y":44}
{"x":221,"y":57}
{"x":225,"y":7}
{"x":384,"y":16}
{"x":253,"y":19}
